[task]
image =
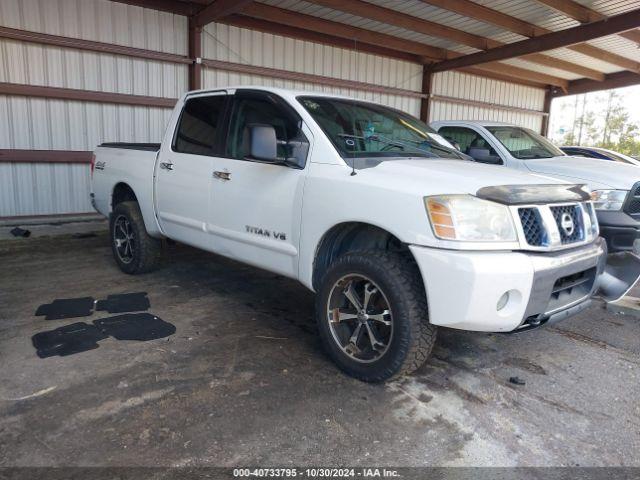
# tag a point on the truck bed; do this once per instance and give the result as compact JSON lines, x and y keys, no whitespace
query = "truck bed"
{"x":130,"y":164}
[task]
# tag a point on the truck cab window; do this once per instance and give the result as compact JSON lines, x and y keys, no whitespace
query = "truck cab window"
{"x":466,"y":138}
{"x":198,"y":125}
{"x":249,"y":111}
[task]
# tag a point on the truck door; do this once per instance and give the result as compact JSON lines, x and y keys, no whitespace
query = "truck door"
{"x":183,"y":174}
{"x":256,"y":207}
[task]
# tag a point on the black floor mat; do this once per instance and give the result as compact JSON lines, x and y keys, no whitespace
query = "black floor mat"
{"x":125,"y":302}
{"x":66,"y":308}
{"x":75,"y":338}
{"x":135,"y":326}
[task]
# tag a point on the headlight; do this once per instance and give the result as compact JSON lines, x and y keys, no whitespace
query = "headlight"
{"x":470,"y":219}
{"x":608,"y":199}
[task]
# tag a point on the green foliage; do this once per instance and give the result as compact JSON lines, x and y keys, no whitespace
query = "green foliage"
{"x":611,"y":129}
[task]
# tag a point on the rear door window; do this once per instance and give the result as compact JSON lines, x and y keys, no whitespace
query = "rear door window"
{"x":198,"y":131}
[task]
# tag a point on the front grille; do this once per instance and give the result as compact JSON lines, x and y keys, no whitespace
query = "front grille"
{"x":555,"y":226}
{"x":570,"y":223}
{"x":633,"y":203}
{"x":532,"y":226}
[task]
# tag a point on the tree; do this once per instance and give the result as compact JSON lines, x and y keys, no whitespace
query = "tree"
{"x":603,"y":121}
{"x":616,"y":121}
{"x":629,"y":142}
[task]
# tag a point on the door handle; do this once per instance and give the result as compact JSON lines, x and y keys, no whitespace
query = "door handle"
{"x":166,"y":165}
{"x":222,"y":175}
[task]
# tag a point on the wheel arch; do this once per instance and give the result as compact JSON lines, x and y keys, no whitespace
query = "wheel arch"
{"x":122,"y":192}
{"x":350,"y":237}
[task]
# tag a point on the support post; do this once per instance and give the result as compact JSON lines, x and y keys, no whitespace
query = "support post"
{"x":195,"y":54}
{"x":425,"y":105}
{"x":546,"y":109}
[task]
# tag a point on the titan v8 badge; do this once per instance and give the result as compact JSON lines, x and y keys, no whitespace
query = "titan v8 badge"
{"x":266,"y":233}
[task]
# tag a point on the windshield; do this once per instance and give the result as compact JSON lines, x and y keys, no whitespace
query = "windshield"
{"x":523,"y":143}
{"x":366,"y":130}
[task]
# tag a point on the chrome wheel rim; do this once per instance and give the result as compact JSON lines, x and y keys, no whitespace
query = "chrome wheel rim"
{"x":123,"y":239}
{"x":360,"y":318}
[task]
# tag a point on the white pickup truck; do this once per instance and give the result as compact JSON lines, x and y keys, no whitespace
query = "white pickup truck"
{"x":395,"y":231}
{"x":615,"y":186}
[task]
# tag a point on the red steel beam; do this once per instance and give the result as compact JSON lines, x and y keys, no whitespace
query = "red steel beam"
{"x":219,"y":9}
{"x":425,"y":104}
{"x":308,"y":78}
{"x":90,"y":45}
{"x":317,"y":37}
{"x":337,"y":29}
{"x":84,"y":95}
{"x":171,"y":6}
{"x":548,"y":98}
{"x":549,"y":41}
{"x":44,"y":156}
{"x":195,"y":54}
{"x":612,"y":80}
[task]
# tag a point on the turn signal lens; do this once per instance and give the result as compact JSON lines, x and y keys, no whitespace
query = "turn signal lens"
{"x":441,"y":219}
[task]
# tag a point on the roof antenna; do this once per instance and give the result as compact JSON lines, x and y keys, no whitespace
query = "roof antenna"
{"x":353,"y":157}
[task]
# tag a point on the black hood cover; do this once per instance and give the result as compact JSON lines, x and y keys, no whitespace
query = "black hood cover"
{"x":534,"y":194}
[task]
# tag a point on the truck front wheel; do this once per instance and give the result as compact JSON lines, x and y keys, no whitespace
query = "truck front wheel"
{"x":133,"y":249}
{"x":372,"y":315}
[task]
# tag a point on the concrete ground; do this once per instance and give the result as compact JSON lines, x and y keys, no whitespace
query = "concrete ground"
{"x":244,"y":382}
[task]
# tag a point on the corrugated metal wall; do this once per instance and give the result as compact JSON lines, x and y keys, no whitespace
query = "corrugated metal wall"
{"x":36,"y":123}
{"x":239,"y":45}
{"x":470,"y":87}
{"x":47,"y":124}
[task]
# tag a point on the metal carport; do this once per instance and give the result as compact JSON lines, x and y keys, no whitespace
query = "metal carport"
{"x":76,"y":73}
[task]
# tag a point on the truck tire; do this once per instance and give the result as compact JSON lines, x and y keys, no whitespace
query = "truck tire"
{"x":372,"y":315}
{"x":134,"y":250}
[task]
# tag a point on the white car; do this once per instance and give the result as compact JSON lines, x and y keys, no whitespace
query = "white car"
{"x":600,"y":153}
{"x":395,"y":231}
{"x":615,"y":186}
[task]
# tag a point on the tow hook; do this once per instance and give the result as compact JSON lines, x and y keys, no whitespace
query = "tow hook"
{"x":621,"y":273}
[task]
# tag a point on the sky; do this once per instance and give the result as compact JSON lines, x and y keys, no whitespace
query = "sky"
{"x":563,"y":109}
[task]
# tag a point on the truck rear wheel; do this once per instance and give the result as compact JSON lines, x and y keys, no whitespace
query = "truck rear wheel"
{"x":134,"y":250}
{"x":372,"y":315}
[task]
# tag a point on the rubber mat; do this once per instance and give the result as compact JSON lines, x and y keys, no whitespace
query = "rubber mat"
{"x":135,"y":326}
{"x":66,"y":308}
{"x":75,"y":338}
{"x":125,"y":302}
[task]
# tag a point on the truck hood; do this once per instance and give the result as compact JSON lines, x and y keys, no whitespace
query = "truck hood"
{"x":435,"y":177}
{"x":597,"y":174}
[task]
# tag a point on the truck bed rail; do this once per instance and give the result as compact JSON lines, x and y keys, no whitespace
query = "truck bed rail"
{"x":148,"y":147}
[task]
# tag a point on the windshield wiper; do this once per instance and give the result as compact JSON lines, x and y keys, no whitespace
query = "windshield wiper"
{"x":532,"y":157}
{"x":391,"y":142}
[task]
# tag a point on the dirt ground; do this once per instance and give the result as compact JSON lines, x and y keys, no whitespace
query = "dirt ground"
{"x":243,"y":380}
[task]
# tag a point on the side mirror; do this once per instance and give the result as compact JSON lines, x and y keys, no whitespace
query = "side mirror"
{"x":483,"y":155}
{"x":263,"y":144}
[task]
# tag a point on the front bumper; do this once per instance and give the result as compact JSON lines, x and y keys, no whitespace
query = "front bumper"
{"x":464,"y":288}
